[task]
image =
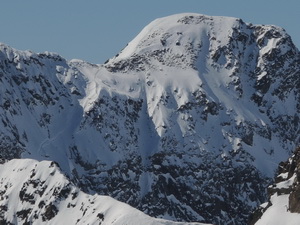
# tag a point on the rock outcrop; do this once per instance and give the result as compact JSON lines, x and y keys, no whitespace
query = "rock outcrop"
{"x":283,"y":195}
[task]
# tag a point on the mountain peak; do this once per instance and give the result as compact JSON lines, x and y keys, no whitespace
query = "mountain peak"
{"x":172,"y":31}
{"x":188,"y":40}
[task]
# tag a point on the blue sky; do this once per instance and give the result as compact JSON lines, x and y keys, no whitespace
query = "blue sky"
{"x":95,"y":30}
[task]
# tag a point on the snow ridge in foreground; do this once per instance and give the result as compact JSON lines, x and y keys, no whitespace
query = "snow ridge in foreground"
{"x":33,"y":192}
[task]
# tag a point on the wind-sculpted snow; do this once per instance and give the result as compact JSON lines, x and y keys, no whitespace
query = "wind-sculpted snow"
{"x":188,"y":122}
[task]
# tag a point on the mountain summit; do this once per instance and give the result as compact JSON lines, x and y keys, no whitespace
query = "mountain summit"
{"x":188,"y":122}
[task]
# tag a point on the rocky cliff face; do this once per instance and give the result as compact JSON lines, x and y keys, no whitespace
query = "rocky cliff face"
{"x":188,"y":122}
{"x":283,"y":205}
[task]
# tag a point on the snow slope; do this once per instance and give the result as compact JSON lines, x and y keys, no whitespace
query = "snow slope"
{"x":188,"y":122}
{"x":278,"y":214}
{"x":283,"y":206}
{"x":35,"y":192}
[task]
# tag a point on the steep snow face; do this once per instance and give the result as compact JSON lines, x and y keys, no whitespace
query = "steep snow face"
{"x":187,"y":123}
{"x":35,"y":192}
{"x":246,"y":70}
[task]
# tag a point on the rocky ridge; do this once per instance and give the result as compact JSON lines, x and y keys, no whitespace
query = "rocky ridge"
{"x":283,"y":195}
{"x":33,"y":192}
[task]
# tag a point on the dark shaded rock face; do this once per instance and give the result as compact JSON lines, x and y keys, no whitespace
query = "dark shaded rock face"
{"x":294,"y":170}
{"x":294,"y":200}
{"x":184,"y":124}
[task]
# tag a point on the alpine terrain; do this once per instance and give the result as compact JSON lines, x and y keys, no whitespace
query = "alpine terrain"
{"x":187,"y":123}
{"x":37,"y":193}
{"x":283,"y":205}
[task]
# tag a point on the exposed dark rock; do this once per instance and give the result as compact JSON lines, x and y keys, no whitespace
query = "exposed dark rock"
{"x":294,"y":200}
{"x":23,"y":214}
{"x":50,"y":212}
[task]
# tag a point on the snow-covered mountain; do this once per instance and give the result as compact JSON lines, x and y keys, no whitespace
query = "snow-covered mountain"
{"x":188,"y":122}
{"x":35,"y":192}
{"x":283,"y":206}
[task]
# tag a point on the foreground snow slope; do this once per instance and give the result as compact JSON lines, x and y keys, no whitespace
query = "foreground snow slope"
{"x":278,"y":213}
{"x":283,"y":206}
{"x":187,"y":123}
{"x":35,"y":192}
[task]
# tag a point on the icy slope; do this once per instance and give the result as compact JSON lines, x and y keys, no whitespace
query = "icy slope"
{"x":35,"y":192}
{"x":187,"y":123}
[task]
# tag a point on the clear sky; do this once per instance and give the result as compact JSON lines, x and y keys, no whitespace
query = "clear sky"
{"x":96,"y":30}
